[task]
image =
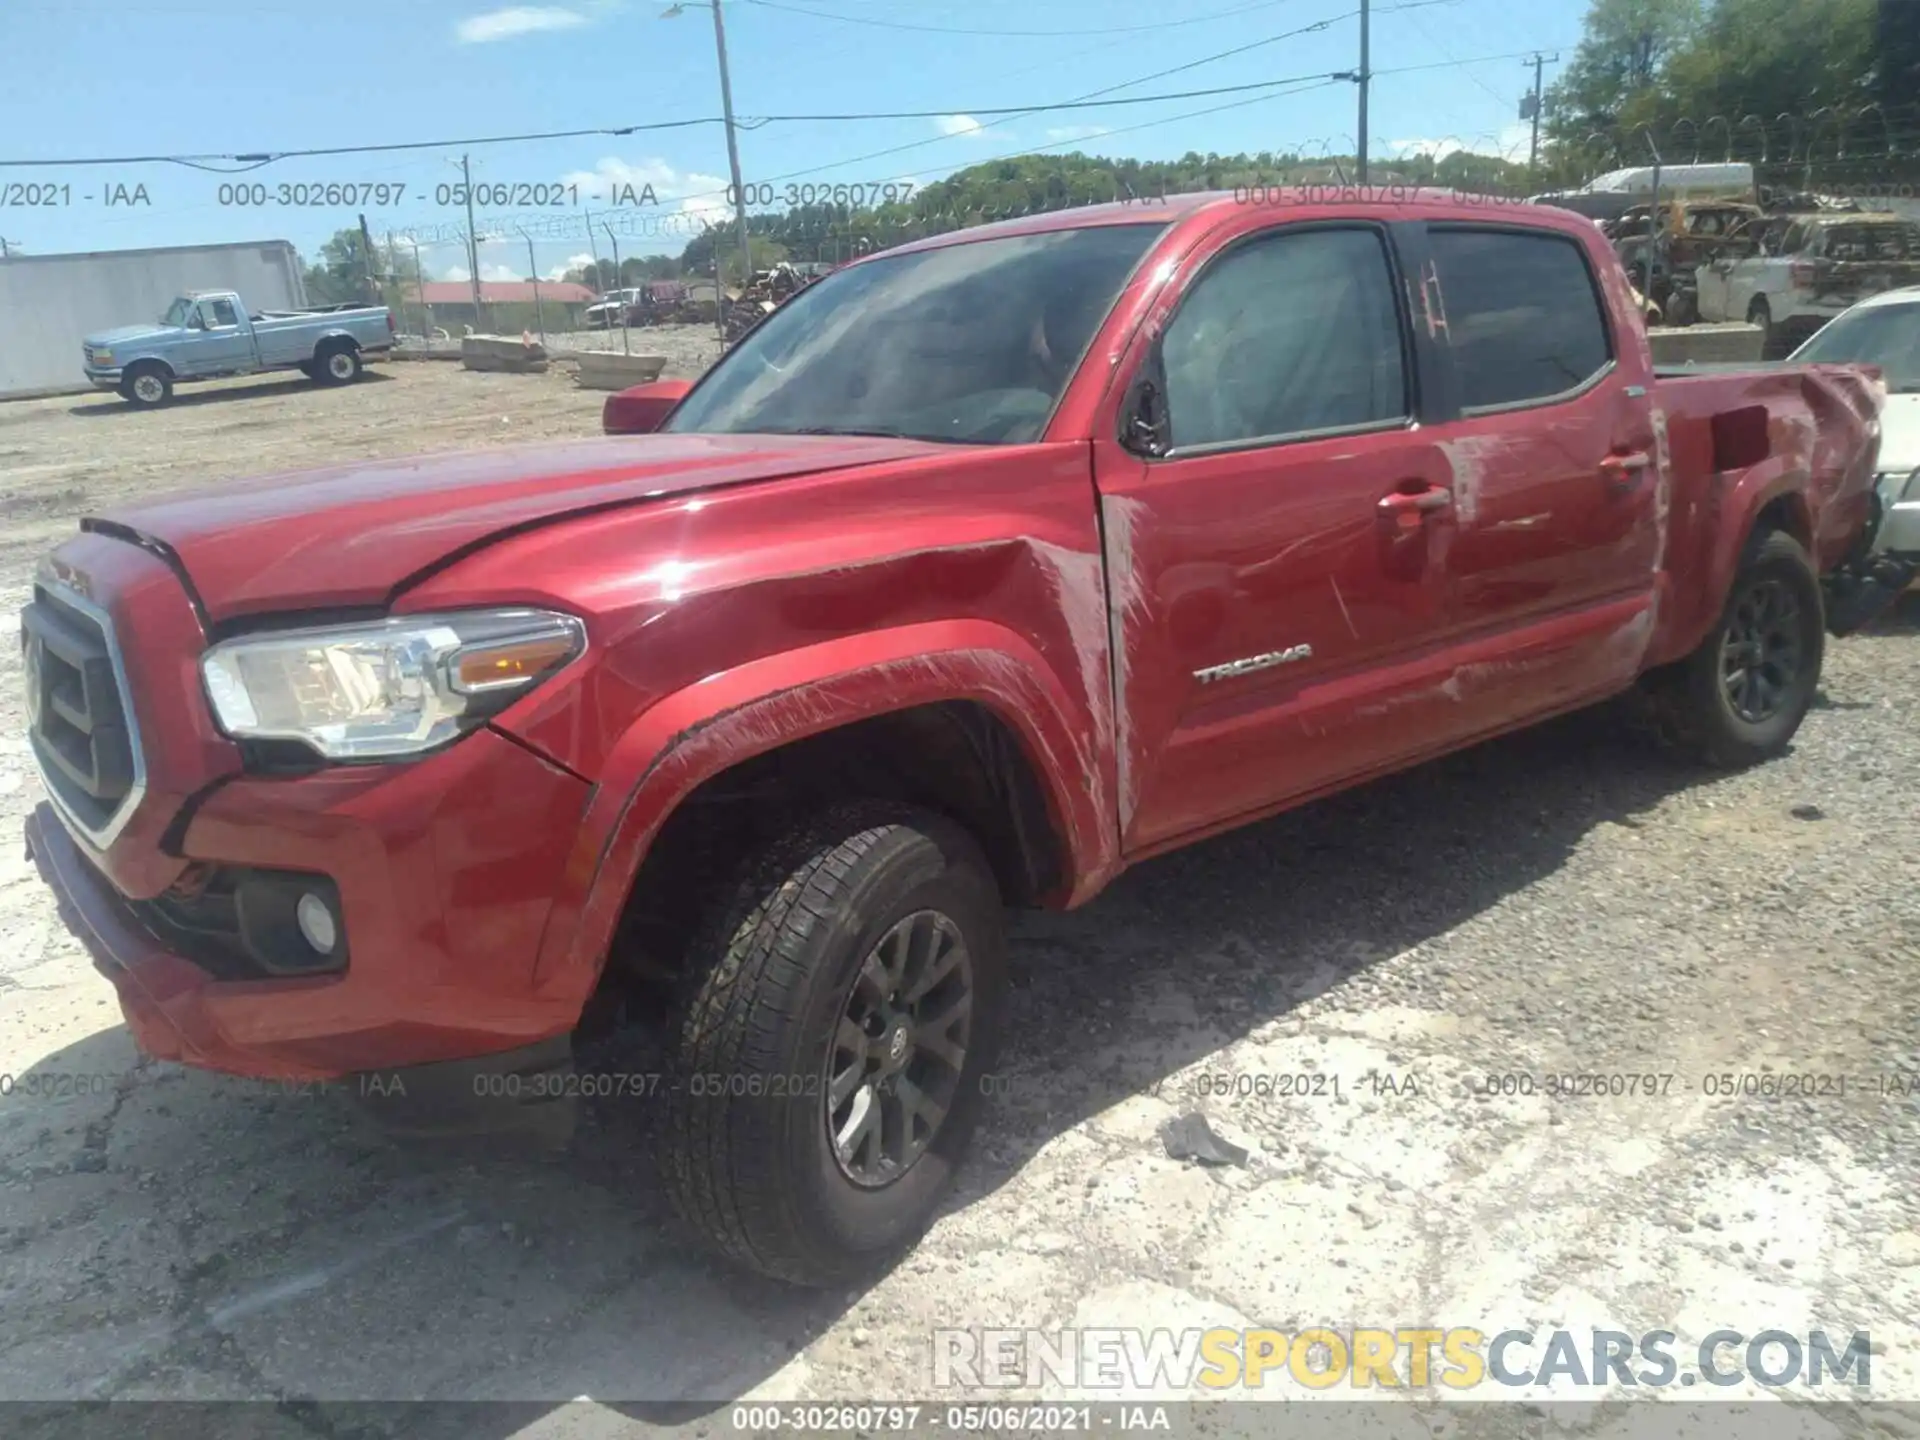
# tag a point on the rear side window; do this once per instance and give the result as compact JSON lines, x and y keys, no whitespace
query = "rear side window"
{"x":1524,"y":318}
{"x":1871,"y":242}
{"x":224,"y":313}
{"x":1288,"y":334}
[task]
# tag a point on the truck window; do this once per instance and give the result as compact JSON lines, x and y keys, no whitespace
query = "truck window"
{"x":1288,"y":334}
{"x":1524,"y":317}
{"x":970,"y":342}
{"x":223,"y":313}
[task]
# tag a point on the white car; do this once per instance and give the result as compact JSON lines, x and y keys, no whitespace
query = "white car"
{"x":1808,"y":272}
{"x":1885,"y":331}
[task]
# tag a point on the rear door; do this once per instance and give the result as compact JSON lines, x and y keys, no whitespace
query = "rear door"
{"x":1277,"y":572}
{"x":1556,"y":478}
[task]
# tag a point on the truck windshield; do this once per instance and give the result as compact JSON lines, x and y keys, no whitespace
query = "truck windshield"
{"x":178,"y":312}
{"x":972,"y":342}
{"x":1883,"y":335}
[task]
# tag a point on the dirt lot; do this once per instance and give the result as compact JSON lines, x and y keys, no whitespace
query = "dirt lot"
{"x":1568,"y":902}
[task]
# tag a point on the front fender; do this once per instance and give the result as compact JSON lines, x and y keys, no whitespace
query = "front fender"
{"x":694,"y":734}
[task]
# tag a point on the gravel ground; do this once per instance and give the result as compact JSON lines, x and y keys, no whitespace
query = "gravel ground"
{"x":1567,"y":901}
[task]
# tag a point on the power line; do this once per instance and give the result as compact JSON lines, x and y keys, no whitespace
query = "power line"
{"x":254,"y":161}
{"x":257,"y":159}
{"x":1024,"y":34}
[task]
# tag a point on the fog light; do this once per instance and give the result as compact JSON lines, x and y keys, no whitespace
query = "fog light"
{"x":316,"y":923}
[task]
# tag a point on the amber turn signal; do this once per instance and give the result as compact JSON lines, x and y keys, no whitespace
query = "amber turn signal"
{"x":479,"y":669}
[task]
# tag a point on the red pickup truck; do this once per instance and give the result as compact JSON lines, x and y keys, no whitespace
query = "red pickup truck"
{"x":979,"y":571}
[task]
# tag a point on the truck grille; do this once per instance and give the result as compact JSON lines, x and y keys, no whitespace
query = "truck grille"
{"x":78,"y":721}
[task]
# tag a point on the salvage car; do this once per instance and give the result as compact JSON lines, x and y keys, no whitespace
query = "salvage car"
{"x":1802,"y":270}
{"x":1884,"y":332}
{"x":984,"y":568}
{"x":210,"y":334}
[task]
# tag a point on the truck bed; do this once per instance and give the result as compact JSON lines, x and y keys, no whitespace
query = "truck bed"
{"x":1812,"y":419}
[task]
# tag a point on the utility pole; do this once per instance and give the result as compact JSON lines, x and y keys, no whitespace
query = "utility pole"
{"x":733,"y":142}
{"x":533,"y":274}
{"x":473,"y":242}
{"x":1530,"y":110}
{"x":1364,"y":77}
{"x":733,"y":146}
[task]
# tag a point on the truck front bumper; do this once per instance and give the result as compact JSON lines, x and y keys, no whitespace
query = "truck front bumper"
{"x":441,"y":872}
{"x":103,"y":379}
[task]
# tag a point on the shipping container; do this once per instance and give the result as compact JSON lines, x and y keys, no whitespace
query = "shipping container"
{"x":47,"y":302}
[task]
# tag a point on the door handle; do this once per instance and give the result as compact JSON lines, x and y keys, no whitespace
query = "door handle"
{"x":1402,"y":504}
{"x":1623,"y":472}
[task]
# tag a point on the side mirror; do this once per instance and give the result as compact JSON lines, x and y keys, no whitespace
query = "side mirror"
{"x":642,"y":409}
{"x":1144,"y":426}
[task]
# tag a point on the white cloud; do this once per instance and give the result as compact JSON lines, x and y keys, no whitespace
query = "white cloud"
{"x":1060,"y":134}
{"x":558,"y":273}
{"x":693,"y":194}
{"x":959,"y":125}
{"x":515,"y":20}
{"x":488,"y":273}
{"x":1510,"y":144}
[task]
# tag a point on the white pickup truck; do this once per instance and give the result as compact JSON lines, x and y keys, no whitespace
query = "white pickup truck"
{"x":207,"y":334}
{"x":1800,"y":271}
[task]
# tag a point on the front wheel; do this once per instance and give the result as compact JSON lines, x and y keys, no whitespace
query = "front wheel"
{"x":830,"y":1043}
{"x":1740,"y":696}
{"x":146,"y":386}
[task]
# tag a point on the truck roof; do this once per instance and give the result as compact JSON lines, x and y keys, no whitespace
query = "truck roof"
{"x":1306,"y":200}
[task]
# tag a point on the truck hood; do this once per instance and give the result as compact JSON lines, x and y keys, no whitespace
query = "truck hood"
{"x":356,"y":534}
{"x":130,"y":334}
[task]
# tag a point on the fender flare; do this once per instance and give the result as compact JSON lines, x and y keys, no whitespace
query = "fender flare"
{"x":328,"y":336}
{"x":695,"y":733}
{"x":1738,"y":512}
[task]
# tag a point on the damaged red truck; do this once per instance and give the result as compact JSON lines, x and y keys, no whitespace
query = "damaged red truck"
{"x":981,"y":570}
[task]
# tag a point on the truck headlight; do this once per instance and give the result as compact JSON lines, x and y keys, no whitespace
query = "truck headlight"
{"x":388,"y":688}
{"x":102,"y":357}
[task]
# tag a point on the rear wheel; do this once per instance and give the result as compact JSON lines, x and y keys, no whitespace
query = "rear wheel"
{"x":337,"y":365}
{"x":147,"y":386}
{"x":1741,"y":695}
{"x":829,"y":1044}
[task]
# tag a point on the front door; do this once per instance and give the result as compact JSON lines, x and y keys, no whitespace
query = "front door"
{"x":224,"y":345}
{"x":1277,"y":561}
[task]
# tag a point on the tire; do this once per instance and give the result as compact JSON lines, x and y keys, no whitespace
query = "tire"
{"x":147,"y":386}
{"x":308,"y":369}
{"x":783,"y":970}
{"x":337,"y":364}
{"x":1761,"y":314}
{"x":1738,"y":699}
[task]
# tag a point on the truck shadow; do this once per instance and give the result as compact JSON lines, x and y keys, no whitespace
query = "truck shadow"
{"x":304,"y":1263}
{"x":217,"y":393}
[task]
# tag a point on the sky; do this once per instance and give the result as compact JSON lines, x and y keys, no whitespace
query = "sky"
{"x":102,"y":79}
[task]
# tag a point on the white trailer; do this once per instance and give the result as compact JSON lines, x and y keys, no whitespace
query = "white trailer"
{"x":48,"y":302}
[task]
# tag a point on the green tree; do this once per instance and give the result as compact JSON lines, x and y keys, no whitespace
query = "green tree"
{"x":1773,"y":57}
{"x":1610,"y":80}
{"x":341,"y":273}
